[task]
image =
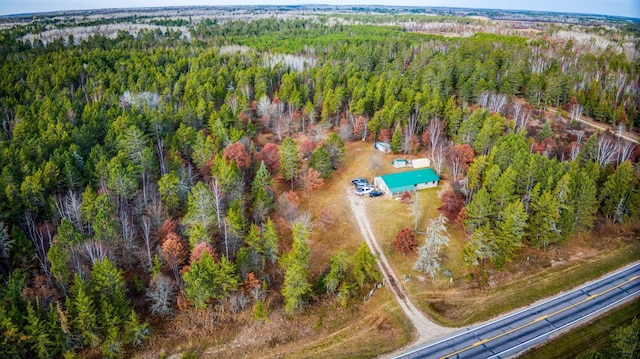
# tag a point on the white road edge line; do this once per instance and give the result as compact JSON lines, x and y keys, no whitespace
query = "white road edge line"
{"x":548,"y":334}
{"x":469,"y":329}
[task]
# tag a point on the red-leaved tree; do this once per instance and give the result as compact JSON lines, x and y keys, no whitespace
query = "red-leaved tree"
{"x":270,"y":154}
{"x":174,"y":251}
{"x":384,"y":135}
{"x":168,"y":226}
{"x":307,"y":147}
{"x":405,"y":241}
{"x":238,"y":154}
{"x":414,"y":144}
{"x":460,"y":158}
{"x":452,"y":203}
{"x":250,"y":282}
{"x":201,"y":248}
{"x":406,"y":198}
{"x":360,"y":127}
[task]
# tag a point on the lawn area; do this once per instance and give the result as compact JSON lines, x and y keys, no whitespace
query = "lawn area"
{"x":592,"y":335}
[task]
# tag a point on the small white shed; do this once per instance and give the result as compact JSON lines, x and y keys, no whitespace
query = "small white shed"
{"x":420,"y":163}
{"x":400,"y":163}
{"x":382,"y":146}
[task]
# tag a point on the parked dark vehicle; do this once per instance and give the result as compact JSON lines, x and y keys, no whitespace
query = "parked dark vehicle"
{"x":359,"y":180}
{"x":375,"y":194}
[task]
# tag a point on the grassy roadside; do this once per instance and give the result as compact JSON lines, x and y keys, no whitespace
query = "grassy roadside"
{"x":459,"y":306}
{"x":593,"y":335}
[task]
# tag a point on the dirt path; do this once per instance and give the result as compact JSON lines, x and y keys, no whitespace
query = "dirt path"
{"x":426,"y":329}
{"x":603,"y":127}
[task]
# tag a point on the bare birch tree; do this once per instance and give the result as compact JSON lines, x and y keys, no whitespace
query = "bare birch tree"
{"x":146,"y":236}
{"x":624,"y":150}
{"x":605,"y":151}
{"x":127,"y":229}
{"x":68,"y":206}
{"x":521,"y":116}
{"x":436,"y":135}
{"x":218,"y":203}
{"x":95,"y":251}
{"x":438,"y":157}
{"x":41,"y":241}
{"x":263,"y":106}
{"x":574,"y":150}
{"x":576,"y":112}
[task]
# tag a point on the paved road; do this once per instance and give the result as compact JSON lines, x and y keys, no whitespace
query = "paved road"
{"x":524,"y":329}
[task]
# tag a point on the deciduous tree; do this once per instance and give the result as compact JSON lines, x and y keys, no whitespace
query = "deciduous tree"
{"x":405,"y":241}
{"x":270,"y":154}
{"x":309,"y":180}
{"x":238,"y":153}
{"x":452,"y":203}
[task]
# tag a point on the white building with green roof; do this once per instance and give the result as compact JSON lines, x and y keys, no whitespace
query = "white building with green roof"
{"x":394,"y":184}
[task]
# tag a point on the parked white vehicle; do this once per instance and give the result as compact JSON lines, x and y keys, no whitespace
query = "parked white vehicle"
{"x":363,"y":191}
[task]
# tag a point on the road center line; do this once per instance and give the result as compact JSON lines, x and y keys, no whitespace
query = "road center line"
{"x":541,"y":318}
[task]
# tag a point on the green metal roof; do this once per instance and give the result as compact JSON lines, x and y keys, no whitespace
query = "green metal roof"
{"x":404,"y":181}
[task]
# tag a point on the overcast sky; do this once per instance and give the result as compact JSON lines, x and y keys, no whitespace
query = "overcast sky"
{"x":629,"y":8}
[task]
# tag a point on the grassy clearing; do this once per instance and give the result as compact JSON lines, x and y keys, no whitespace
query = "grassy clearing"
{"x":592,"y":335}
{"x":382,"y":327}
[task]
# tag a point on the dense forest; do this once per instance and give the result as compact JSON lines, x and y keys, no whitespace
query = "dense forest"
{"x":141,"y":174}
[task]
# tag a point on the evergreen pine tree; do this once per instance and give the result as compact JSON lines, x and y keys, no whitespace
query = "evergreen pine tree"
{"x":296,"y":266}
{"x":396,"y":141}
{"x":510,"y":230}
{"x":270,"y":241}
{"x":321,"y":162}
{"x":365,"y":267}
{"x":479,"y":211}
{"x":543,"y":220}
{"x":289,"y":160}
